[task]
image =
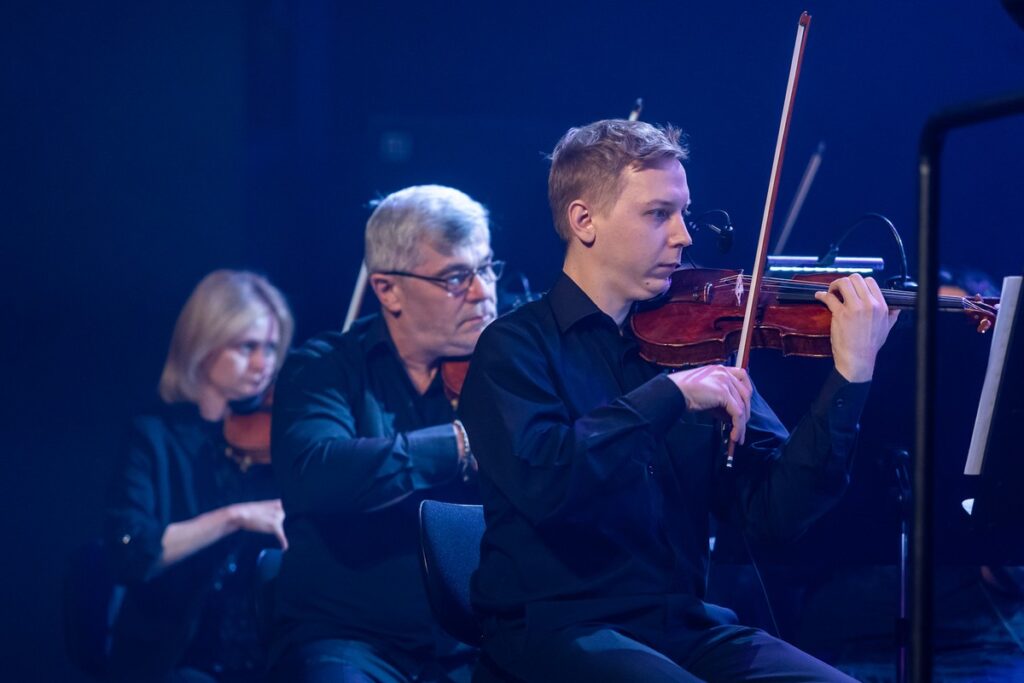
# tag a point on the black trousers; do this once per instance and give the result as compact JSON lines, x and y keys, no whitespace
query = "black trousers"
{"x":352,"y":661}
{"x":654,"y":643}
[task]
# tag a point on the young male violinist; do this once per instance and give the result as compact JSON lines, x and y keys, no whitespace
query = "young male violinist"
{"x":598,"y":471}
{"x":362,"y":432}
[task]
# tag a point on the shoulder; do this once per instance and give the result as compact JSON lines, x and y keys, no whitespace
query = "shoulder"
{"x":516,"y":337}
{"x":156,"y":434}
{"x":530,"y":321}
{"x":320,"y":355}
{"x":160,"y":422}
{"x":319,"y":347}
{"x":330,"y":364}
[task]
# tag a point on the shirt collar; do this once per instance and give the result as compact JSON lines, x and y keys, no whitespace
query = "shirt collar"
{"x":377,"y":336}
{"x":570,"y":304}
{"x":377,"y":339}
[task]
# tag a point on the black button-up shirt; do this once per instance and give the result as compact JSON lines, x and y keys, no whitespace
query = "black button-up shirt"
{"x":355,"y":449}
{"x":598,"y":484}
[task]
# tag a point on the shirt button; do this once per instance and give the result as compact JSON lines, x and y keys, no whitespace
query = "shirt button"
{"x":126,"y":539}
{"x":840,"y":403}
{"x":650,"y":470}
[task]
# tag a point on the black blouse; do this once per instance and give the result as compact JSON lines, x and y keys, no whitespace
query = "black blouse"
{"x":197,"y":612}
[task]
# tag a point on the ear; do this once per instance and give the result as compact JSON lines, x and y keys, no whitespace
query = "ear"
{"x":581,"y":222}
{"x":387,"y":291}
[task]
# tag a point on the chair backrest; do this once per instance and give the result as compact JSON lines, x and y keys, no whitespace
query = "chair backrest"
{"x":91,"y":602}
{"x":450,"y":540}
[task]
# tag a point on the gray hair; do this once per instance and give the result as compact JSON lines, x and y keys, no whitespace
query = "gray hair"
{"x":441,"y":216}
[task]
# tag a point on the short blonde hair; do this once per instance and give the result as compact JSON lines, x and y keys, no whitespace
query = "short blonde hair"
{"x":588,"y":162}
{"x":219,"y":309}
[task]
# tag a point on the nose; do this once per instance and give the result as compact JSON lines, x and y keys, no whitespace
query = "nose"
{"x":479,"y":289}
{"x":679,"y":236}
{"x":258,"y":358}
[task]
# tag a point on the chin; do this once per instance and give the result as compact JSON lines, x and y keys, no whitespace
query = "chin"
{"x":653,"y":288}
{"x":462,"y":345}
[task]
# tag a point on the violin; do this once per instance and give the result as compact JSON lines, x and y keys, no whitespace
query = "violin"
{"x":453,"y":376}
{"x":699,"y":319}
{"x":247,"y":430}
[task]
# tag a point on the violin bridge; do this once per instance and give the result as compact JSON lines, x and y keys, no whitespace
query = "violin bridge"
{"x":705,"y":295}
{"x":738,"y":291}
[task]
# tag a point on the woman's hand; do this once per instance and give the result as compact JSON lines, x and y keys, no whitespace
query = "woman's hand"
{"x":262,"y":517}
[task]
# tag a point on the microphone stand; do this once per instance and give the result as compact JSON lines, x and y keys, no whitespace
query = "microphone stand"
{"x":901,"y":463}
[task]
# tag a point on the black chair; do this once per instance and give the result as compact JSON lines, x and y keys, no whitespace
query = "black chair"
{"x":91,"y":602}
{"x":450,"y":538}
{"x":268,"y":566}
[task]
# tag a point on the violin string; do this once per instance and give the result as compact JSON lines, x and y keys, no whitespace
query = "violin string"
{"x":897,"y":297}
{"x":776,"y":284}
{"x":730,"y":281}
{"x":906,"y":300}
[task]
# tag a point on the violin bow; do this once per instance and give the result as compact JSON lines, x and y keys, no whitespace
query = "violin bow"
{"x":810,"y":173}
{"x":634,"y":113}
{"x":357,"y":297}
{"x":754,"y":291}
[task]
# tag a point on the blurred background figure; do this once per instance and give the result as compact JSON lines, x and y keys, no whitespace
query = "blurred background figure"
{"x":182,"y":494}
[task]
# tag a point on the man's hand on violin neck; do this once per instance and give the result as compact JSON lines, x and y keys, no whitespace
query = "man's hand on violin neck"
{"x":724,"y":390}
{"x":861,"y":321}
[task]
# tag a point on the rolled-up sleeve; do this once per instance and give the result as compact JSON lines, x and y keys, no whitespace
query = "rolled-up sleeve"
{"x":133,"y":531}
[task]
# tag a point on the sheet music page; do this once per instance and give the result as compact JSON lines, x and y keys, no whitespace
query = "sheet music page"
{"x":1008,"y":302}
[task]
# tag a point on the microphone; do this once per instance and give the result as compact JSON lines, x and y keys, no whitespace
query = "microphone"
{"x":724,"y":231}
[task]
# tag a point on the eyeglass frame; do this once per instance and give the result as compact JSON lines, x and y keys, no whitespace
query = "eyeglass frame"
{"x":497,"y":267}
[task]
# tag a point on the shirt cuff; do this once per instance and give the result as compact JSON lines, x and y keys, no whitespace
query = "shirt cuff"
{"x":658,"y":401}
{"x":433,"y":454}
{"x":839,"y":405}
{"x":841,"y":401}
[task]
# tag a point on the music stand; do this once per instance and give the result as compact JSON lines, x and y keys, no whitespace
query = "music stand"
{"x":996,"y":458}
{"x":929,"y":172}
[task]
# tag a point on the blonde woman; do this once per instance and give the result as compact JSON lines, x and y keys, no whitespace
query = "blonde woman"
{"x":185,"y":522}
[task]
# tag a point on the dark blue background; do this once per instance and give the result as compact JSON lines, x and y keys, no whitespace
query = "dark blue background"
{"x":144,"y":144}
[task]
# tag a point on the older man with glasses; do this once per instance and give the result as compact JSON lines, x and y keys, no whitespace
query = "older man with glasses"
{"x":362,"y":432}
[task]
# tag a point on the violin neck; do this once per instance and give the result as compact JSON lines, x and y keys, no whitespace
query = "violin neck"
{"x":895,"y":298}
{"x":899,"y":299}
{"x":907,"y":300}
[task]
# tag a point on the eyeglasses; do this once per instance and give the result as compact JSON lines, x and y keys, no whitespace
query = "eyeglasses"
{"x":459,"y":281}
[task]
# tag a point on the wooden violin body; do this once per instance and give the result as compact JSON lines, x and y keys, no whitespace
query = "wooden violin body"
{"x":453,"y":375}
{"x":248,"y":433}
{"x":700,"y":319}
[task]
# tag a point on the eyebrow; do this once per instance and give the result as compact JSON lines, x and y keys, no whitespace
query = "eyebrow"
{"x":665,"y":202}
{"x":457,"y":267}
